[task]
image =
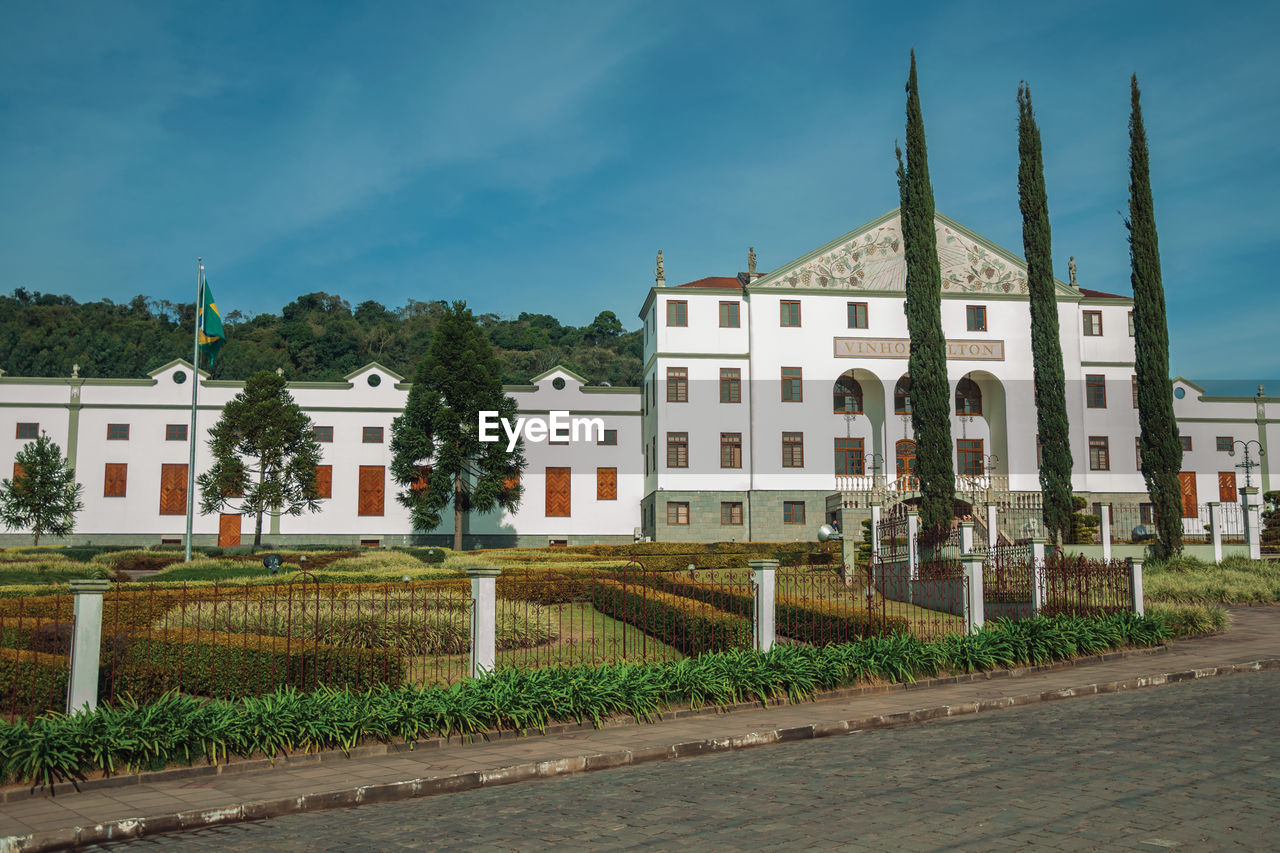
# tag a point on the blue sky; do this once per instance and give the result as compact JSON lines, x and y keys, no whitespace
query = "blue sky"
{"x":534,"y":156}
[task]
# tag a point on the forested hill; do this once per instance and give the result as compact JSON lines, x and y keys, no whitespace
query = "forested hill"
{"x":315,"y":337}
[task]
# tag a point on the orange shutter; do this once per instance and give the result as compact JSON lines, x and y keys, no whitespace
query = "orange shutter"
{"x":422,"y":482}
{"x":1227,"y":487}
{"x":18,"y":472}
{"x":1190,"y":505}
{"x":228,"y":530}
{"x":372,"y":478}
{"x":606,"y":484}
{"x":173,"y":489}
{"x":324,"y":481}
{"x":115,"y":480}
{"x":559,"y":503}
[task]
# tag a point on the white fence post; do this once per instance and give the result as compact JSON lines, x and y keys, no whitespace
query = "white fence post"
{"x":1252,"y":521}
{"x":1106,"y":531}
{"x":975,"y":604}
{"x":913,"y":547}
{"x":875,"y":530}
{"x":763,"y":583}
{"x":966,"y":537}
{"x":1135,"y":573}
{"x":993,"y":535}
{"x":1037,"y":575}
{"x":484,"y":618}
{"x":86,"y":644}
{"x":1215,"y":528}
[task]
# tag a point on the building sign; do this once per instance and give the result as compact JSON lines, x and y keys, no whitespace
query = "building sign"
{"x":901,"y":348}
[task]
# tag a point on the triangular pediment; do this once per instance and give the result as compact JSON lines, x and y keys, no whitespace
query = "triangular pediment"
{"x":870,"y":258}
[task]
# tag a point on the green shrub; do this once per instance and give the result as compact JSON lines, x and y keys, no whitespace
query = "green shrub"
{"x":1191,"y":620}
{"x":32,"y":682}
{"x":430,"y":556}
{"x":691,"y":626}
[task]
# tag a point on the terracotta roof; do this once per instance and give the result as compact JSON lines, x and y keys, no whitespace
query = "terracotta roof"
{"x":715,"y":281}
{"x":1100,"y":294}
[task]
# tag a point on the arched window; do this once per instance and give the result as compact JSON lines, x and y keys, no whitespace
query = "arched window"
{"x":846,"y":395}
{"x":902,"y":396}
{"x":968,"y":397}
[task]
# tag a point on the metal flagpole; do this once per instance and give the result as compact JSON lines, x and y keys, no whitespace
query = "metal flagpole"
{"x":195,"y":393}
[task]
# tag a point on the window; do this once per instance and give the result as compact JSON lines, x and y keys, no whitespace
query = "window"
{"x":969,"y":461}
{"x":1093,"y":323}
{"x":28,"y":430}
{"x":610,"y":437}
{"x":559,"y":496}
{"x":116,"y":479}
{"x":372,"y":435}
{"x":175,"y":432}
{"x":677,"y":450}
{"x":968,"y":397}
{"x":857,"y":315}
{"x":1134,"y":383}
{"x":730,"y":450}
{"x":1099,"y":455}
{"x":117,"y":432}
{"x":846,"y":397}
{"x":677,"y":312}
{"x":1227,"y":493}
{"x":1186,"y":443}
{"x":793,"y":512}
{"x":421,"y":479}
{"x":849,"y":457}
{"x":1137,"y":454}
{"x":793,"y":450}
{"x":677,"y":512}
{"x":1039,"y":452}
{"x":730,"y":385}
{"x":792,"y":385}
{"x":975,"y":318}
{"x":324,"y":481}
{"x":902,"y":396}
{"x":789,"y":313}
{"x":1095,"y":391}
{"x":731,"y":512}
{"x":370,"y":497}
{"x":173,"y":489}
{"x":729,"y":315}
{"x":1147,"y":513}
{"x":606,"y":484}
{"x":322,"y":433}
{"x":1224,"y":443}
{"x":677,"y":384}
{"x":1131,"y":324}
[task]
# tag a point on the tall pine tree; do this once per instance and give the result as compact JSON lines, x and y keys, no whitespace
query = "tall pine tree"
{"x":927,"y":364}
{"x":1046,"y":345}
{"x":1160,"y":444}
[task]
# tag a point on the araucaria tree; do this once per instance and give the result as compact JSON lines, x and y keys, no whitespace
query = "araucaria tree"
{"x":43,"y":495}
{"x":927,"y":364}
{"x":1046,"y":345}
{"x":1159,"y":442}
{"x":438,"y":457}
{"x":265,"y":455}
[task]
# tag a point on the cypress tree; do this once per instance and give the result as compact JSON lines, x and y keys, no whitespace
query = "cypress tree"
{"x":927,"y":364}
{"x":1046,"y":345}
{"x":1159,"y":442}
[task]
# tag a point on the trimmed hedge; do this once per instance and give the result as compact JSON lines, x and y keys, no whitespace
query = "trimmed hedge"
{"x":691,"y":626}
{"x":32,"y":682}
{"x":233,"y":665}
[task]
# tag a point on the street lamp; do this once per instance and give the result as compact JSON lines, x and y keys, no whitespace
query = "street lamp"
{"x":1248,"y":464}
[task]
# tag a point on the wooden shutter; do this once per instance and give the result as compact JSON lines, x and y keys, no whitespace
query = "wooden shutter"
{"x":422,"y":481}
{"x":559,"y":502}
{"x":606,"y":484}
{"x":173,"y":489}
{"x":115,"y":480}
{"x":18,"y":471}
{"x":1190,"y":505}
{"x":228,"y":530}
{"x":371,"y":500}
{"x":324,"y":481}
{"x":1227,"y":487}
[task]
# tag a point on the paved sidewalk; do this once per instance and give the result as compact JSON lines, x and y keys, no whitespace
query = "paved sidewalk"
{"x":190,"y":799}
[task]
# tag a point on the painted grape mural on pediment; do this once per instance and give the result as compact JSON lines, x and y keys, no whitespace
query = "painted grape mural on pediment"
{"x":873,"y":260}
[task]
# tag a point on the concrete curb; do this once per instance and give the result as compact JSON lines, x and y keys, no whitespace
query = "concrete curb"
{"x":132,"y":828}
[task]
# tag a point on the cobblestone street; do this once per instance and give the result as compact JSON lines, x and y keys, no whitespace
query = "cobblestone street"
{"x":1186,"y":766}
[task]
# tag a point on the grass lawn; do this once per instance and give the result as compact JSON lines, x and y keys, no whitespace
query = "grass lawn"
{"x":1235,"y":580}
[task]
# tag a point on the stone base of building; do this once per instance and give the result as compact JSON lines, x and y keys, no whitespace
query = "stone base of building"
{"x":470,"y":542}
{"x":759,"y":516}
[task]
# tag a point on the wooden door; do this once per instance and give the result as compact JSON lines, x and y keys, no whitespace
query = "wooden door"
{"x":173,"y":489}
{"x":1227,"y":487}
{"x":606,"y":484}
{"x":228,"y":530}
{"x":1190,"y":504}
{"x":906,"y":453}
{"x":559,"y":499}
{"x":371,"y":499}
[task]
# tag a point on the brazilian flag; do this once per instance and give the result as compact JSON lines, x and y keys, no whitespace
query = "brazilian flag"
{"x":209,"y":326}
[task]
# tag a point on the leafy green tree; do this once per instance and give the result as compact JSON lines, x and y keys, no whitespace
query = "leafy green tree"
{"x":438,"y":457}
{"x":265,"y":455}
{"x":1160,"y":443}
{"x":927,"y":363}
{"x":1046,"y":345}
{"x":43,"y":495}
